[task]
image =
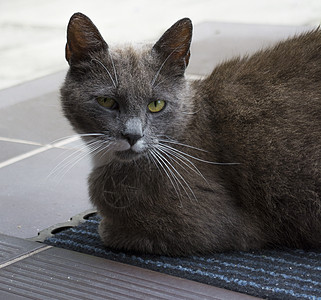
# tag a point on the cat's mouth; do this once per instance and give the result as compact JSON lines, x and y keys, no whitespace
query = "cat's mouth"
{"x":123,"y":151}
{"x":127,"y":155}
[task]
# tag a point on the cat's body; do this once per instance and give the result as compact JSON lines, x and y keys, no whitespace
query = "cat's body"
{"x":155,"y":182}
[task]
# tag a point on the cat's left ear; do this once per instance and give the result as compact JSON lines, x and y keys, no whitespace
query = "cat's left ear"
{"x":83,"y":38}
{"x":174,"y":45}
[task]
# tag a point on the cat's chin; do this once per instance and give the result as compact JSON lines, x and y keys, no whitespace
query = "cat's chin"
{"x":127,"y":155}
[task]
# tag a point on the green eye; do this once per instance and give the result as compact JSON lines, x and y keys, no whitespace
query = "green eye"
{"x":156,"y":106}
{"x":107,"y":102}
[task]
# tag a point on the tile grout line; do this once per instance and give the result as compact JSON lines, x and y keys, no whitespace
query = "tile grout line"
{"x":22,"y":257}
{"x":36,"y":151}
{"x":25,"y":155}
{"x":18,"y":141}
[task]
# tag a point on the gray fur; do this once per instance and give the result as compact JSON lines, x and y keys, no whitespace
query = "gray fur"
{"x":231,"y":163}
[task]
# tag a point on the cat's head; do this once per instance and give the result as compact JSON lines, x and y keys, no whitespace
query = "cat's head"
{"x":131,"y":97}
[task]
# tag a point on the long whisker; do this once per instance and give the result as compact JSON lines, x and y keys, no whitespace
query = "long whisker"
{"x":98,"y":147}
{"x":150,"y":156}
{"x":174,"y":171}
{"x":67,"y":140}
{"x":162,"y":165}
{"x":61,"y":163}
{"x":104,"y":150}
{"x":78,"y":159}
{"x":111,"y":78}
{"x":180,"y":159}
{"x":198,"y":159}
{"x":76,"y":152}
{"x":182,"y":178}
{"x":75,"y":137}
{"x":73,"y":156}
{"x":177,"y":157}
{"x":166,"y":164}
{"x":181,"y":144}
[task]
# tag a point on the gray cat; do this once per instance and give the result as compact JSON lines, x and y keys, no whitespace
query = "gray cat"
{"x":231,"y":162}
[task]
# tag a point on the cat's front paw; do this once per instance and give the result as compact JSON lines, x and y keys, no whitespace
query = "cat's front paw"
{"x":127,"y":239}
{"x":104,"y":229}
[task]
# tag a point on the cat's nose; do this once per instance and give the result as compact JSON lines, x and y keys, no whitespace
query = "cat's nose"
{"x":132,"y":138}
{"x":133,"y":131}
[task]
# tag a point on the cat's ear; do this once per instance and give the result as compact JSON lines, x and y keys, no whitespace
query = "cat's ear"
{"x":174,"y":45}
{"x":83,"y":38}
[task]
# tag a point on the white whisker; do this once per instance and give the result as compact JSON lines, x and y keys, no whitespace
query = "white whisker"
{"x":73,"y":137}
{"x":174,"y":170}
{"x":181,"y":144}
{"x":79,"y":158}
{"x":162,"y":165}
{"x":153,"y":161}
{"x":178,"y":158}
{"x":114,"y":68}
{"x":105,"y":68}
{"x":191,"y":113}
{"x":73,"y":151}
{"x":166,"y":79}
{"x":163,"y":64}
{"x":196,"y":158}
{"x":71,"y":158}
{"x":104,"y":150}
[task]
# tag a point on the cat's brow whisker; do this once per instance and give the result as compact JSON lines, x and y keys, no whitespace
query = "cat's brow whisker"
{"x":114,"y":68}
{"x":167,"y":78}
{"x":105,"y":68}
{"x":163,"y":64}
{"x":191,"y":113}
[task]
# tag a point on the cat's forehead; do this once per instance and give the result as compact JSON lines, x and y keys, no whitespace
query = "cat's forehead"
{"x":134,"y":66}
{"x":131,"y":57}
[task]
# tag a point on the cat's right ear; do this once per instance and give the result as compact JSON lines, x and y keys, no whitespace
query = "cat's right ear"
{"x":174,"y":45}
{"x":83,"y":38}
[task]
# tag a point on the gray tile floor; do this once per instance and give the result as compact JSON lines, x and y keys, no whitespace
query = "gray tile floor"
{"x":36,"y":190}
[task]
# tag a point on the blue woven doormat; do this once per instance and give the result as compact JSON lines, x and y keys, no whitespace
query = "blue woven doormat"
{"x":268,"y":274}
